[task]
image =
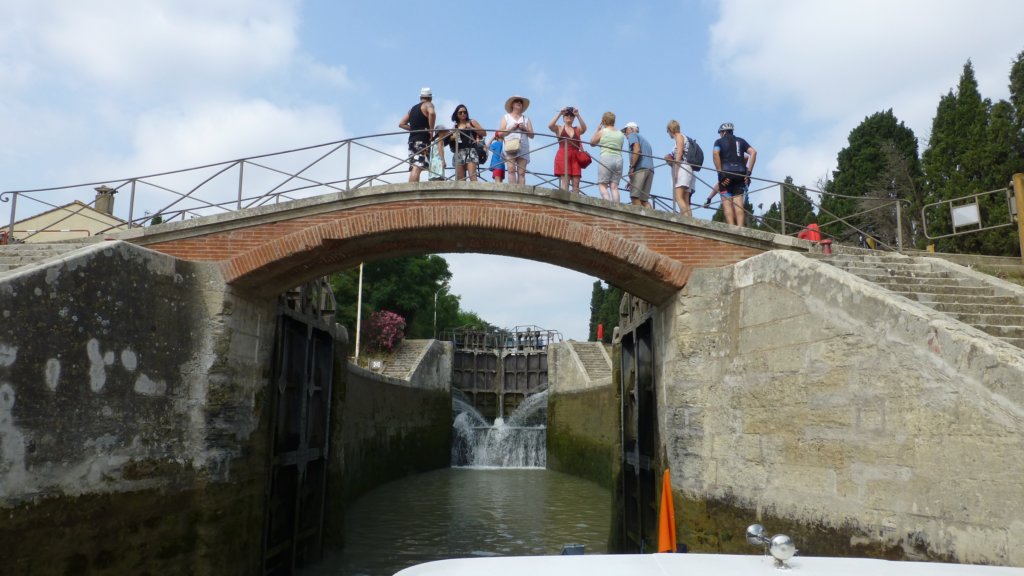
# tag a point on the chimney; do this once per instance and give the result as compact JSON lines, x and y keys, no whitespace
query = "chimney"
{"x":105,"y":200}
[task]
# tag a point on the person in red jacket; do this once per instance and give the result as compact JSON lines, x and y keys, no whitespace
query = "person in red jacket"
{"x":810,"y":232}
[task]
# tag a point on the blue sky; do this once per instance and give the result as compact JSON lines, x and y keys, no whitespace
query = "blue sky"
{"x":108,"y":89}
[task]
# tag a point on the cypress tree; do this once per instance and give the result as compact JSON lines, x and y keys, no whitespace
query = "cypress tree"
{"x":974,"y":147}
{"x":596,"y":304}
{"x":858,"y":168}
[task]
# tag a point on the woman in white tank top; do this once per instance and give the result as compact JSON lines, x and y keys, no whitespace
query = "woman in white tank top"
{"x":516,"y":126}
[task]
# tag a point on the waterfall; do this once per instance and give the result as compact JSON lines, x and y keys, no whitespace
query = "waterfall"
{"x":518,"y":442}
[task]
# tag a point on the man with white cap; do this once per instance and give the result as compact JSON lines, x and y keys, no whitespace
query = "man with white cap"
{"x":641,"y":165}
{"x":419,"y":121}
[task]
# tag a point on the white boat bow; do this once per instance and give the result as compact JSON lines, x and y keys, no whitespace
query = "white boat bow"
{"x":694,"y":564}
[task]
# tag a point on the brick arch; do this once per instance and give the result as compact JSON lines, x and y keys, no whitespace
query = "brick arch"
{"x":436,"y":228}
{"x":272,"y":248}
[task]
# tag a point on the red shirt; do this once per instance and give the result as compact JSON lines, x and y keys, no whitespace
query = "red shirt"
{"x":810,"y":232}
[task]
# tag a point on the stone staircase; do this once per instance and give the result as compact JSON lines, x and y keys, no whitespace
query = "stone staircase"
{"x":15,"y":256}
{"x":594,"y":359}
{"x":406,"y":358}
{"x":956,"y":291}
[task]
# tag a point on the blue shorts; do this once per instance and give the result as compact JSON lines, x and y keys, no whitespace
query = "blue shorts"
{"x":737,"y":187}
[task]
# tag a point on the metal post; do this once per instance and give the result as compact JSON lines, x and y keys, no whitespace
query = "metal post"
{"x":348,"y":166}
{"x":359,"y":310}
{"x":899,"y":227}
{"x":14,"y":206}
{"x":1018,"y":194}
{"x":565,"y":162}
{"x":131,"y":205}
{"x":435,"y":315}
{"x":782,"y":206}
{"x":241,"y":170}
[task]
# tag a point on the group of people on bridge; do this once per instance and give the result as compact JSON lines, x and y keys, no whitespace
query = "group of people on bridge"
{"x":509,"y":149}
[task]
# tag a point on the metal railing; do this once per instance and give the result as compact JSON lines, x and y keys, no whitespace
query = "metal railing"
{"x":966,"y":211}
{"x":339,"y":166}
{"x":519,"y":338}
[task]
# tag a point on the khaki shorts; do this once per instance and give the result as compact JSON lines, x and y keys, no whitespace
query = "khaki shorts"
{"x":640,"y":184}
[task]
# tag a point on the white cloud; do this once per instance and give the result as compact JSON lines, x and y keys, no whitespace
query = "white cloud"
{"x":164,"y":44}
{"x":510,"y":291}
{"x":221,"y":130}
{"x":830,"y":64}
{"x":173,"y":138}
{"x":834,"y":57}
{"x":336,"y":76}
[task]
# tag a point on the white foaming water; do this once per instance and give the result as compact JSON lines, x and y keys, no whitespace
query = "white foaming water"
{"x":519,"y":442}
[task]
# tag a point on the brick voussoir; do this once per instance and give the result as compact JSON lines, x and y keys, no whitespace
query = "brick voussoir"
{"x":614,"y":242}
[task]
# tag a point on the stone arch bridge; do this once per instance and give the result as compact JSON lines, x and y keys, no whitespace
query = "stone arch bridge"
{"x":141,"y":389}
{"x":647,"y":253}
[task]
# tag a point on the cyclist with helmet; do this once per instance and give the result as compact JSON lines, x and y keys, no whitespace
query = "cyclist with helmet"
{"x":734,"y":160}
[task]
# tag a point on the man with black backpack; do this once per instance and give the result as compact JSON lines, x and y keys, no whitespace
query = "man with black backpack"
{"x":734,"y":160}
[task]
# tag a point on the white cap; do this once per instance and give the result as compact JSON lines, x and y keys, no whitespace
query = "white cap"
{"x":426,"y":93}
{"x":632,"y":125}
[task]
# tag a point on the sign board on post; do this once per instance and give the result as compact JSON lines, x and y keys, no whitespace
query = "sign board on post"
{"x":965,"y":215}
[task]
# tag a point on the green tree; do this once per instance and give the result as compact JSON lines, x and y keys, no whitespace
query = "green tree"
{"x":604,"y":309}
{"x":415,"y":287}
{"x":470,"y":319}
{"x":974,"y":147}
{"x":897,"y":180}
{"x":858,"y":167}
{"x":596,"y":302}
{"x":799,"y":211}
{"x":1017,"y":99}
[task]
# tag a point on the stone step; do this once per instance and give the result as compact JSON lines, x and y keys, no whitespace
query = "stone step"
{"x":881,"y":273}
{"x":989,"y":319}
{"x":837,"y":259}
{"x":593,"y":359}
{"x":999,"y":309}
{"x":937,"y":288}
{"x":32,"y":247}
{"x":1001,"y":331}
{"x":1018,"y":342}
{"x":903,"y":267}
{"x":966,"y":299}
{"x":404,"y":360}
{"x":27,"y":257}
{"x":930,"y":298}
{"x":14,"y":256}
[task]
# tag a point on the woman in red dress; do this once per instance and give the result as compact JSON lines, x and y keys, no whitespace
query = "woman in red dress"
{"x":568,"y":169}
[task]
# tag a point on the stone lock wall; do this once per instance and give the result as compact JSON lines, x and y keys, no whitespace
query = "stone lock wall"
{"x":827,"y":408}
{"x":583,"y":420}
{"x":130,"y":429}
{"x":383,"y":429}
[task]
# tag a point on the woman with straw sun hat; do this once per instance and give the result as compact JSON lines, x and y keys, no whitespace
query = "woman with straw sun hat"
{"x":518,"y":129}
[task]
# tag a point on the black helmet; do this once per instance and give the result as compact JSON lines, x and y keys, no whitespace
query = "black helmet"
{"x":726,"y":126}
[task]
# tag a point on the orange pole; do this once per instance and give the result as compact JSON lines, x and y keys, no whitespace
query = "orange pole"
{"x":1018,"y":194}
{"x":666,"y":517}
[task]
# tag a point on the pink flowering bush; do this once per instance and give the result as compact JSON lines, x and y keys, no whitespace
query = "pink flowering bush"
{"x":385,"y":330}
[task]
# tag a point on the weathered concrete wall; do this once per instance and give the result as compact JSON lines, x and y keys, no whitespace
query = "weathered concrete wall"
{"x":130,"y":393}
{"x":385,"y":429}
{"x":853,"y":419}
{"x":583,"y":419}
{"x":434,"y":368}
